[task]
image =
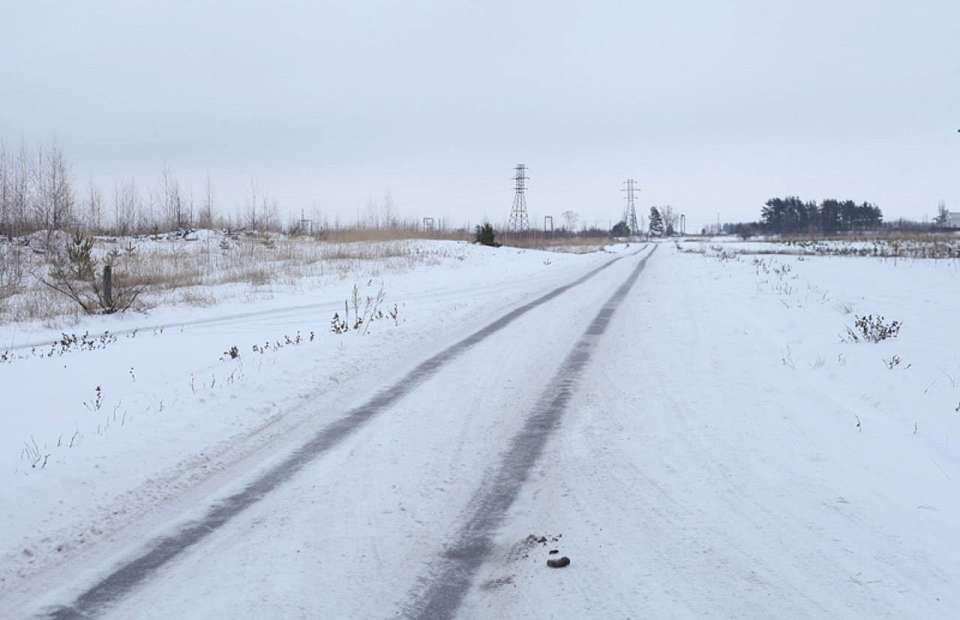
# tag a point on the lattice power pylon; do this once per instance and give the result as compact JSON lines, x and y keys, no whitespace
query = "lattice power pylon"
{"x":630,"y":188}
{"x":519,"y":218}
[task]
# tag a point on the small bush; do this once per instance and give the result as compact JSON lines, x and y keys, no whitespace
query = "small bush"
{"x":72,"y":272}
{"x":338,"y":325}
{"x":485,"y":235}
{"x":620,"y":229}
{"x":871,"y":328}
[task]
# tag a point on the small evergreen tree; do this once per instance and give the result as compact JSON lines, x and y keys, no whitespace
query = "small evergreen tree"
{"x":80,"y":255}
{"x":656,"y":222}
{"x":620,"y":229}
{"x":485,"y":235}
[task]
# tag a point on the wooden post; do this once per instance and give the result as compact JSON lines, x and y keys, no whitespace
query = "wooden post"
{"x":108,"y":287}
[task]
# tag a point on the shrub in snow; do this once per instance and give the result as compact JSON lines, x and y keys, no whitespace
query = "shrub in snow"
{"x":620,"y":229}
{"x":895,"y":362}
{"x":484,"y":235}
{"x":73,"y":273}
{"x":338,"y":325}
{"x":871,"y":328}
{"x":364,"y":312}
{"x":97,"y":401}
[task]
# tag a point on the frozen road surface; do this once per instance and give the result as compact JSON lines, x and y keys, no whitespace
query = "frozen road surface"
{"x":686,"y":438}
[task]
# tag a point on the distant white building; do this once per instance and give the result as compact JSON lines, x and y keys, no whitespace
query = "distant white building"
{"x":953,"y":219}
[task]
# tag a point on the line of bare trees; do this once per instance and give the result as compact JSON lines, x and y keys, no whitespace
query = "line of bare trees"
{"x":39,"y":192}
{"x":35,"y":191}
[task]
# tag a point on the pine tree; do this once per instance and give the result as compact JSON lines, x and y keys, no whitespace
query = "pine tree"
{"x":485,"y":235}
{"x":656,"y":222}
{"x":620,"y":229}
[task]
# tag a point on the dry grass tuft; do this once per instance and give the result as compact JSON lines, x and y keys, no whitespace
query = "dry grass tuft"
{"x":197,"y":298}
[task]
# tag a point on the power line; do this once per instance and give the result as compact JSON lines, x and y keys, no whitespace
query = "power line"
{"x":519,"y":218}
{"x":630,"y":213}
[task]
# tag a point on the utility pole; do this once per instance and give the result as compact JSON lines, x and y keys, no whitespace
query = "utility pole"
{"x":519,"y":218}
{"x":630,"y":213}
{"x":548,"y":224}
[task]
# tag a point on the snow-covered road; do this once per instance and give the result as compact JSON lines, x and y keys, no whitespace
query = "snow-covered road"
{"x":432,"y":403}
{"x":692,"y":437}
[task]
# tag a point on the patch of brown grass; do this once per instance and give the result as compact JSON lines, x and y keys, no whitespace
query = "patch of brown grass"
{"x":197,"y":298}
{"x":552,"y":243}
{"x":355,"y":235}
{"x":160,"y":266}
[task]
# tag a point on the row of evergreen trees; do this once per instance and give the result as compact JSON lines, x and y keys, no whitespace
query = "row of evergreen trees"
{"x":793,"y":215}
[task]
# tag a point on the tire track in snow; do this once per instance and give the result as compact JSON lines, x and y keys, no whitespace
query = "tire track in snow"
{"x":96,"y":600}
{"x":447,"y":585}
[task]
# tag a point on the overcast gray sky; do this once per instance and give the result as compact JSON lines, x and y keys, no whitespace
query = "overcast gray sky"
{"x":713,"y":106}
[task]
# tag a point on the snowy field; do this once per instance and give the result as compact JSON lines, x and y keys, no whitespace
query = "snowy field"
{"x":196,"y":269}
{"x":939,"y":246}
{"x":723,"y":447}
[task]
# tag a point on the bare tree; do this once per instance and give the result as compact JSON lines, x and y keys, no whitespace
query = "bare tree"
{"x":53,"y":206}
{"x":22,"y":191}
{"x":943,"y":215}
{"x":151,"y":210}
{"x":206,"y":211}
{"x":172,"y":202}
{"x":126,"y":206}
{"x":269,"y":214}
{"x":11,"y":256}
{"x":252,"y":206}
{"x":6,"y":193}
{"x":670,"y":218}
{"x":388,"y":211}
{"x":189,"y":209}
{"x":94,"y":207}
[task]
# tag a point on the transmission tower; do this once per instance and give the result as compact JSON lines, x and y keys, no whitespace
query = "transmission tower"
{"x":630,"y":188}
{"x":519,"y":219}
